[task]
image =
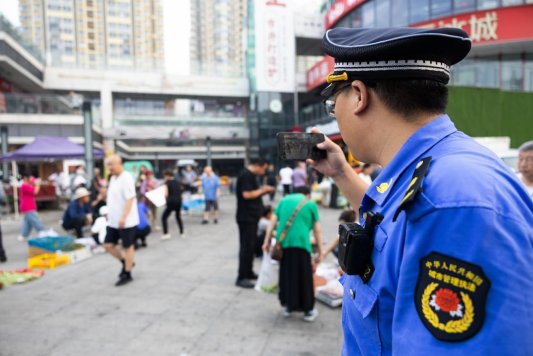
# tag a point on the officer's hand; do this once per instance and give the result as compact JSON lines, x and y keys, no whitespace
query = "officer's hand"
{"x":335,"y":163}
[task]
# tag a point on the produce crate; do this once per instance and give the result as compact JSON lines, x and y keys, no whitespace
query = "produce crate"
{"x":51,"y":244}
{"x":48,"y":260}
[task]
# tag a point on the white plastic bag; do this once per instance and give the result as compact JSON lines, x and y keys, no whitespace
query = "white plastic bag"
{"x":267,"y":282}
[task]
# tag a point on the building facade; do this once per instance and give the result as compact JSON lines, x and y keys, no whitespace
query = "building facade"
{"x":217,"y":42}
{"x":96,"y":33}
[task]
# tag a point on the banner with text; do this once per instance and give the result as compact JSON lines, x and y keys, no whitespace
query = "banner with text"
{"x":274,"y":46}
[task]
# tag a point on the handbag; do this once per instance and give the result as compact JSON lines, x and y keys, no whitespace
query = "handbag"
{"x":277,"y":251}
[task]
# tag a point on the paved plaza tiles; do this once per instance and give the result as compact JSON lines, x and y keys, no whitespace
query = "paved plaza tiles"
{"x":182,"y":302}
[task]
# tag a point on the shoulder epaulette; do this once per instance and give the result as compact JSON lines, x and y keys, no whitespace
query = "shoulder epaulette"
{"x":415,"y":186}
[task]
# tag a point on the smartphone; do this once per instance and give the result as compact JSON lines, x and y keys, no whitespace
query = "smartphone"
{"x":299,"y":146}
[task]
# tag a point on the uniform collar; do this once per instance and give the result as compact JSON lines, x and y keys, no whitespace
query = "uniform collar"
{"x":419,"y":143}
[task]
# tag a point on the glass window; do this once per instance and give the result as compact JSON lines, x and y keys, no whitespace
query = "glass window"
{"x":383,"y":13}
{"x":528,"y":74}
{"x":399,"y":9}
{"x":460,"y":6}
{"x":369,"y":14}
{"x":418,"y":11}
{"x":488,"y":70}
{"x":441,"y":8}
{"x":464,"y":73}
{"x":514,"y":2}
{"x":487,"y":4}
{"x":512,"y":75}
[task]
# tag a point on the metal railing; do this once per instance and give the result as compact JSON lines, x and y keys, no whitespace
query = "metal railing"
{"x":178,"y":120}
{"x":16,"y":103}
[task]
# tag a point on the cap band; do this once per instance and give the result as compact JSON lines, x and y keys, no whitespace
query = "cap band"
{"x":392,"y":65}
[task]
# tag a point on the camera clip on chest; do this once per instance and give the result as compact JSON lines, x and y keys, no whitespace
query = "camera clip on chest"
{"x":355,"y":247}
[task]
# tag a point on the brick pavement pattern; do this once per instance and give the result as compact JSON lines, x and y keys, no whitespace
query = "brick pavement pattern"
{"x":182,"y":302}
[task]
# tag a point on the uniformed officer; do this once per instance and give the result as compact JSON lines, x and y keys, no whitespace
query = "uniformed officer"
{"x":451,"y":265}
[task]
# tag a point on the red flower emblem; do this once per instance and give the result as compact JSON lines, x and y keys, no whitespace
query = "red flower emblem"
{"x":447,"y":300}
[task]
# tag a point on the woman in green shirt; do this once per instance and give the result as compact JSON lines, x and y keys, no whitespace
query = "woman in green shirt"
{"x":296,"y":291}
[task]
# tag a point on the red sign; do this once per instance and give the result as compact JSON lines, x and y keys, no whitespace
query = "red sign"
{"x":492,"y":26}
{"x":317,"y":74}
{"x":339,"y":9}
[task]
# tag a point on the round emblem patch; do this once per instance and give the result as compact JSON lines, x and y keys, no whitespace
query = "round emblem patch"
{"x":450,"y":297}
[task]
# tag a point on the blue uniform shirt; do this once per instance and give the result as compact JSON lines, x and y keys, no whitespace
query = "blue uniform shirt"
{"x":454,"y":273}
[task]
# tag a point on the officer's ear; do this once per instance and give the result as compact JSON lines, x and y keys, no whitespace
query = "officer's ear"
{"x":361,"y":96}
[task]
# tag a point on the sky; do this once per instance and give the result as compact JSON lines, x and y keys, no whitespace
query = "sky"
{"x":176,"y":22}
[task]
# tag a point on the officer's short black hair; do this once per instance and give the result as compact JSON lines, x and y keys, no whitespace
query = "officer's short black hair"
{"x":412,"y":97}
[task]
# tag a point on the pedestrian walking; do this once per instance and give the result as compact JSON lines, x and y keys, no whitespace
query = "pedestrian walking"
{"x":525,"y":166}
{"x":78,"y":213}
{"x":249,"y":210}
{"x":172,"y":191}
{"x":123,"y":217}
{"x":28,"y":206}
{"x":299,"y":175}
{"x":294,"y":218}
{"x":285,"y":175}
{"x":211,"y":189}
{"x":445,"y":261}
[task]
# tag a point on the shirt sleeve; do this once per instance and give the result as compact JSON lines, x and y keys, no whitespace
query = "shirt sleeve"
{"x":490,"y":287}
{"x":248,"y":183}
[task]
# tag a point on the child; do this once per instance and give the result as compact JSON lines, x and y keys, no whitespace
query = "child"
{"x":262,"y":227}
{"x":143,"y":229}
{"x":99,"y":228}
{"x":347,"y":216}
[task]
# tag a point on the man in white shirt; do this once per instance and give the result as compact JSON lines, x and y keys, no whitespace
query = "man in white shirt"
{"x":286,"y":179}
{"x":123,"y":217}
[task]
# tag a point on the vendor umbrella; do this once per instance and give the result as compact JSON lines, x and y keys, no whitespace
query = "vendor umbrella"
{"x":47,"y":148}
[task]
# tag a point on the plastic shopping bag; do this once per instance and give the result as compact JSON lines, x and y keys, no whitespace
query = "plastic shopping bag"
{"x":267,"y":282}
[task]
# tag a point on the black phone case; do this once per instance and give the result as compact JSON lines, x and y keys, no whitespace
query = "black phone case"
{"x":298,"y":147}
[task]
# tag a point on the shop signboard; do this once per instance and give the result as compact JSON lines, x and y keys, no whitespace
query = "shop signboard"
{"x":491,"y":26}
{"x":316,"y":75}
{"x":339,"y":9}
{"x":274,"y":46}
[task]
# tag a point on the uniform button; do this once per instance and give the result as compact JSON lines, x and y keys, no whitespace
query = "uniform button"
{"x":352,"y":293}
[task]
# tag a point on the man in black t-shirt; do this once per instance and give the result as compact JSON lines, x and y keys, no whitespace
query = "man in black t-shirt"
{"x":249,"y":209}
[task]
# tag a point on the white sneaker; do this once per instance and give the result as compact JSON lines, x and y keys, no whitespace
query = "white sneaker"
{"x":183,"y":236}
{"x":165,"y":237}
{"x":311,"y":316}
{"x":21,"y":238}
{"x":286,"y":313}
